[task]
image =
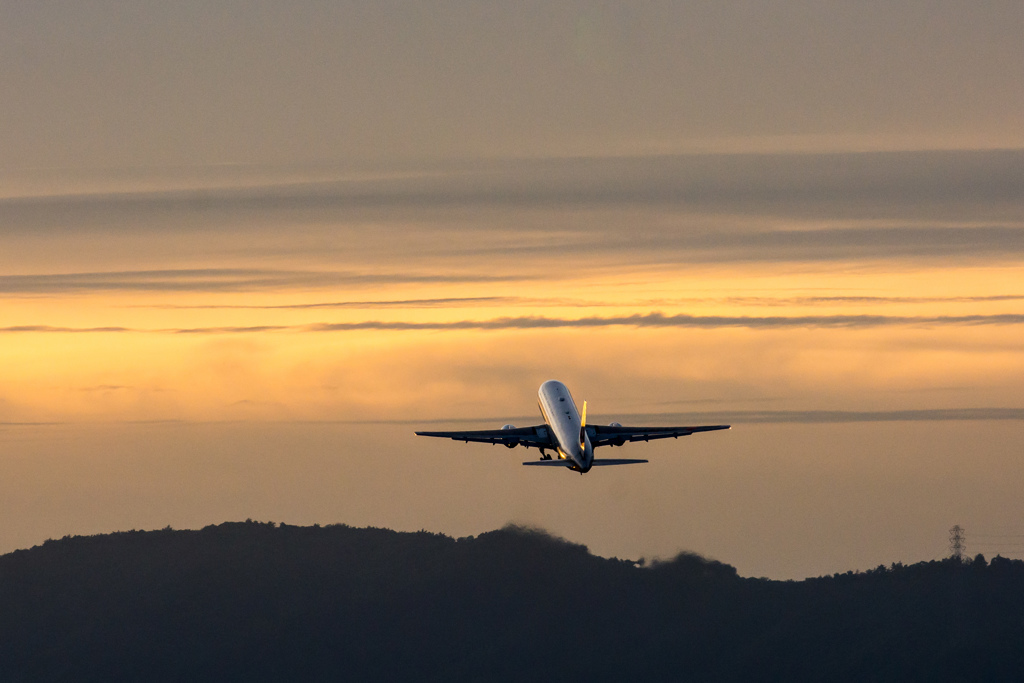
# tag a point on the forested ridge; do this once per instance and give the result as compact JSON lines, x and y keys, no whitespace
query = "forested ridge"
{"x":253,"y":601}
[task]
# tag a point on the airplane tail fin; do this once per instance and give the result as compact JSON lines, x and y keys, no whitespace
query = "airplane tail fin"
{"x":583,"y":426}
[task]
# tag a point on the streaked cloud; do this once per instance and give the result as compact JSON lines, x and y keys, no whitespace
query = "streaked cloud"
{"x":444,"y":302}
{"x":814,"y":245}
{"x":856,"y":300}
{"x":847,"y":184}
{"x":726,"y":416}
{"x":649,"y":320}
{"x":682,"y":320}
{"x":842,"y":416}
{"x":31,"y":424}
{"x":48,"y":329}
{"x":536,"y":302}
{"x":750,"y":417}
{"x":219,"y":280}
{"x":678,"y":209}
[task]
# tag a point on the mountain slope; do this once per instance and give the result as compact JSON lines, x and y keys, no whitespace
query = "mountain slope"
{"x":252,"y":601}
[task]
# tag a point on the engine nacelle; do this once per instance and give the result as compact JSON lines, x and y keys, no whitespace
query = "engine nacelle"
{"x":510,"y":444}
{"x":617,"y":442}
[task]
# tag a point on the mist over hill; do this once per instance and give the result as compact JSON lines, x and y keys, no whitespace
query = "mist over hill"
{"x":263,"y":602}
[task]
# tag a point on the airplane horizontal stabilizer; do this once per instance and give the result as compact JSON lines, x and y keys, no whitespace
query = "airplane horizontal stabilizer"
{"x":616,"y":461}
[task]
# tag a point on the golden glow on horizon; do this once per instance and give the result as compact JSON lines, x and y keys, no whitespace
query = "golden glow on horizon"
{"x":162,"y":368}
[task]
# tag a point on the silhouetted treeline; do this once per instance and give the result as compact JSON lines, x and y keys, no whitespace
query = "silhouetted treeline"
{"x":260,"y":602}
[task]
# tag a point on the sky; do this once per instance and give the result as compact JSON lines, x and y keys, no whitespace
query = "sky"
{"x":247,"y":248}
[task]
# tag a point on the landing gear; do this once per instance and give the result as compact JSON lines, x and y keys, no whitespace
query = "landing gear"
{"x":544,"y":455}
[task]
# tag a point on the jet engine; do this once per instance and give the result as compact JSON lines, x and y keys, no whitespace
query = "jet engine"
{"x":510,"y":444}
{"x":617,"y":442}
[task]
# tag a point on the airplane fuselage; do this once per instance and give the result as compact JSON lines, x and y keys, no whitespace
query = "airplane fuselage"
{"x":563,"y":419}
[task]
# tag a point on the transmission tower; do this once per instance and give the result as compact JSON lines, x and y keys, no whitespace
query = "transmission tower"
{"x":957,"y":543}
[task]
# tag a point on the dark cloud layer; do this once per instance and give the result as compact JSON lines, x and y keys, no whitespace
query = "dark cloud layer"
{"x":693,"y":208}
{"x":659,"y":320}
{"x":810,"y":245}
{"x":498,"y":301}
{"x":846,"y":183}
{"x":649,"y":320}
{"x":218,"y":279}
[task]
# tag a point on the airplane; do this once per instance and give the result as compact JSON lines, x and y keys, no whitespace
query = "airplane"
{"x":566,"y":432}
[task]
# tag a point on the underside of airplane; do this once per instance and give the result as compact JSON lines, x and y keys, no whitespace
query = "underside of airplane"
{"x":566,"y":434}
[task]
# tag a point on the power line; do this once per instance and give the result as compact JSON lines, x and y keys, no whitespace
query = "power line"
{"x":992,"y":544}
{"x":989,"y":544}
{"x":999,"y":535}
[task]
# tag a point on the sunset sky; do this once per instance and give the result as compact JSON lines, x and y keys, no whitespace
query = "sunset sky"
{"x":246,"y":248}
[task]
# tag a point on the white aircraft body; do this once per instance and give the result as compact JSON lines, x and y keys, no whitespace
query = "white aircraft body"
{"x":566,"y":432}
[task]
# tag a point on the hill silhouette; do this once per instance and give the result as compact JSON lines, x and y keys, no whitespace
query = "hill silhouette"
{"x":254,"y":601}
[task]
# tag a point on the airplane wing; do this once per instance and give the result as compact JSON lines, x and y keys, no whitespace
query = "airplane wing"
{"x":606,"y":435}
{"x":530,"y":437}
